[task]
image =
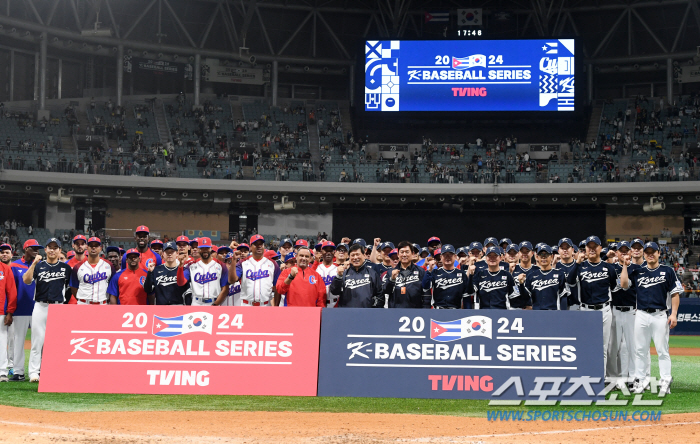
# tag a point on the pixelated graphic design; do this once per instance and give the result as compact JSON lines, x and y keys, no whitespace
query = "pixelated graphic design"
{"x":382,"y":79}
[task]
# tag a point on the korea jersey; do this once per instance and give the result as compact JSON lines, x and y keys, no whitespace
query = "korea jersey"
{"x":449,"y":287}
{"x":547,"y":288}
{"x":206,"y":280}
{"x":406,"y":291}
{"x":258,"y":279}
{"x":162,"y":281}
{"x":482,"y":265}
{"x":622,"y":297}
{"x":493,"y":290}
{"x":572,"y":298}
{"x":51,"y":281}
{"x":524,"y":300}
{"x":92,"y":281}
{"x":327,"y":274}
{"x":595,"y":281}
{"x":655,"y":287}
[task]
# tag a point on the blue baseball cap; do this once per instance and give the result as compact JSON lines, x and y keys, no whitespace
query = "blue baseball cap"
{"x":416,"y":248}
{"x":512,"y":247}
{"x":567,"y":241}
{"x":290,"y":256}
{"x":425,"y":250}
{"x":222,"y":250}
{"x":490,"y":240}
{"x":594,"y":239}
{"x":386,"y":245}
{"x":623,"y":244}
{"x":613,"y":246}
{"x":360,"y":241}
{"x":496,"y":250}
{"x":318,"y":246}
{"x":286,"y":240}
{"x":506,"y":241}
{"x":525,"y":244}
{"x":604,"y":253}
{"x":555,"y":249}
{"x":544,"y":247}
{"x":447,"y":248}
{"x":54,"y":240}
{"x":173,"y":246}
{"x":653,"y":245}
{"x":476,"y":246}
{"x":342,"y":246}
{"x":637,"y":240}
{"x":462,"y":250}
{"x":110,"y":249}
{"x":228,"y":256}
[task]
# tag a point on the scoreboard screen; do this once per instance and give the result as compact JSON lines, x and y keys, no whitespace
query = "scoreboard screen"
{"x":478,"y":75}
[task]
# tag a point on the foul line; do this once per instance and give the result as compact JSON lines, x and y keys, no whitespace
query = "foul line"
{"x":111,"y":332}
{"x":536,"y":338}
{"x":253,"y":334}
{"x":170,"y":361}
{"x":386,"y":336}
{"x":521,"y":367}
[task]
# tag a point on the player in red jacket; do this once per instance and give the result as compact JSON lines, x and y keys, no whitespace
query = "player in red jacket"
{"x":303,"y":286}
{"x":8,"y":293}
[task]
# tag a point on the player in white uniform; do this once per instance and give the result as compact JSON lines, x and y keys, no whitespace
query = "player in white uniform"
{"x":207,"y":276}
{"x":257,"y":275}
{"x":328,"y":270}
{"x":90,"y":278}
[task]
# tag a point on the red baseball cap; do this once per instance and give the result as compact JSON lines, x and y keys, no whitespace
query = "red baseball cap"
{"x":204,"y":242}
{"x":243,"y":246}
{"x":182,"y":239}
{"x":256,"y":237}
{"x":70,"y":254}
{"x":94,"y":239}
{"x":394,"y":251}
{"x":31,"y":243}
{"x":132,"y":251}
{"x":142,"y":229}
{"x":79,"y":237}
{"x":301,"y":243}
{"x":214,"y":248}
{"x":270,"y":254}
{"x":328,"y":244}
{"x":157,"y":242}
{"x":434,"y":239}
{"x":6,"y":247}
{"x":194,"y":241}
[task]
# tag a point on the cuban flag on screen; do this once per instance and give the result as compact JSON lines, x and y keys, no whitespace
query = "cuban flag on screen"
{"x":468,"y":62}
{"x":460,"y":328}
{"x":179,"y":325}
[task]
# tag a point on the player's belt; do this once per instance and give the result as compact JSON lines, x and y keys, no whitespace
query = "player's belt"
{"x":652,"y":310}
{"x":596,"y":307}
{"x":445,"y":308}
{"x":50,"y":302}
{"x":85,"y":301}
{"x":624,"y":309}
{"x":255,"y":304}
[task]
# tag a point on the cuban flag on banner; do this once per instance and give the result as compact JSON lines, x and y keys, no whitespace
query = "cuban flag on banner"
{"x":460,"y":328}
{"x":468,"y":62}
{"x":179,"y":325}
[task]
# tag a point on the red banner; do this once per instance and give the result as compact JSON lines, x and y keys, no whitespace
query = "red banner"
{"x":181,"y":350}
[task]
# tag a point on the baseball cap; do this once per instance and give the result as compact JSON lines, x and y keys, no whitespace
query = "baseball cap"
{"x":653,"y":245}
{"x":582,"y":244}
{"x":55,"y":241}
{"x":290,"y":256}
{"x":512,"y":247}
{"x":157,"y":242}
{"x":142,"y":229}
{"x":122,"y":251}
{"x":462,"y":250}
{"x":270,"y":254}
{"x":112,"y":248}
{"x":70,"y":254}
{"x":286,"y":240}
{"x":31,"y":243}
{"x":424,"y":250}
{"x":394,"y":252}
{"x":613,"y":246}
{"x":434,"y":239}
{"x":496,"y":250}
{"x":318,"y":246}
{"x":170,"y":246}
{"x":604,"y":253}
{"x":341,"y":245}
{"x":360,"y":241}
{"x":525,"y":244}
{"x":594,"y":239}
{"x":214,"y":248}
{"x":224,"y":249}
{"x":79,"y":237}
{"x":328,"y":244}
{"x":204,"y":242}
{"x":567,"y":241}
{"x":194,"y":242}
{"x":636,"y":240}
{"x":623,"y":244}
{"x":242,"y":246}
{"x":132,"y":251}
{"x":545,"y":248}
{"x":182,"y":239}
{"x":301,"y":243}
{"x":415,"y":248}
{"x":228,"y":256}
{"x":490,"y":240}
{"x":388,"y":245}
{"x":506,"y":241}
{"x":555,"y":249}
{"x":256,"y":237}
{"x":447,"y":248}
{"x":8,"y":247}
{"x":437,"y":252}
{"x":94,"y":239}
{"x":476,"y":246}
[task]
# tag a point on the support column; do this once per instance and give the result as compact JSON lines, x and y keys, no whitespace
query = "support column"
{"x":12,"y":73}
{"x":352,"y":85}
{"x":36,"y":76}
{"x":60,"y":77}
{"x":652,"y":89}
{"x":43,"y":46}
{"x":197,"y":77}
{"x":275,"y":82}
{"x":669,"y":80}
{"x":292,"y":90}
{"x":120,"y":73}
{"x":590,"y":83}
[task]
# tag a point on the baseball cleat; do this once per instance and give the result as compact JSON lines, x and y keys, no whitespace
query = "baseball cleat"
{"x":3,"y":378}
{"x":639,"y":387}
{"x":34,"y":378}
{"x":16,"y":378}
{"x":665,"y":388}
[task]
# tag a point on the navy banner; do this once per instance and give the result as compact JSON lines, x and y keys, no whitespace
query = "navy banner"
{"x":688,"y":317}
{"x":462,"y":354}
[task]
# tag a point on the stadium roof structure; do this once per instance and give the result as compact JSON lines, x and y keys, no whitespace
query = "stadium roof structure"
{"x":328,"y":32}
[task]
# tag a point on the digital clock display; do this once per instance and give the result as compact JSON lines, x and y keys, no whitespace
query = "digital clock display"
{"x":469,"y":33}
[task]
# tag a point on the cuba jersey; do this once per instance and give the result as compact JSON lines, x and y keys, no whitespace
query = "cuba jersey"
{"x":572,"y":298}
{"x":162,"y":282}
{"x":327,"y":274}
{"x":596,"y":282}
{"x":127,"y":286}
{"x":206,"y":280}
{"x":234,"y":295}
{"x":449,"y":287}
{"x":147,"y":257}
{"x":92,"y":281}
{"x":25,"y":293}
{"x":655,"y":287}
{"x":547,"y":289}
{"x":51,"y":281}
{"x":622,"y":297}
{"x":258,"y":279}
{"x":493,"y":290}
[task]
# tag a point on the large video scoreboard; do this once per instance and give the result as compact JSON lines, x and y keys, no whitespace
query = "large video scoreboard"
{"x":480,"y":75}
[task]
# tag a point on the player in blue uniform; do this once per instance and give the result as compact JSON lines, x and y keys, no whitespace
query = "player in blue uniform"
{"x":403,"y":283}
{"x":525,"y":266}
{"x":567,"y":260}
{"x":546,"y":286}
{"x":658,"y":290}
{"x":161,"y":280}
{"x":492,"y":287}
{"x":448,"y":283}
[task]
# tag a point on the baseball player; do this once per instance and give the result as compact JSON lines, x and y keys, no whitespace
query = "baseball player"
{"x":183,"y":248}
{"x":357,"y":284}
{"x":449,"y":285}
{"x":194,"y":248}
{"x":302,"y":286}
{"x":524,"y":266}
{"x":658,"y":290}
{"x":90,"y":278}
{"x":341,"y":253}
{"x":25,"y":306}
{"x":207,"y":276}
{"x":327,"y":270}
{"x":567,"y":251}
{"x":113,"y":256}
{"x":492,"y":287}
{"x":6,"y":258}
{"x":595,"y":280}
{"x":6,"y":254}
{"x":286,"y":247}
{"x":51,"y":277}
{"x":142,"y":236}
{"x":637,"y":253}
{"x":157,"y":247}
{"x":258,"y":276}
{"x":404,"y":283}
{"x":8,"y":305}
{"x":127,"y":285}
{"x":546,"y":286}
{"x":79,"y":250}
{"x":234,"y":290}
{"x":161,"y":280}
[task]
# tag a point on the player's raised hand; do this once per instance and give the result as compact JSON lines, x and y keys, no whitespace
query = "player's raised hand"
{"x":377,"y":241}
{"x":341,"y":269}
{"x":151,"y":266}
{"x":345,"y":240}
{"x":463,"y":261}
{"x":521,"y":278}
{"x":394,"y":273}
{"x":611,"y":253}
{"x":511,"y":267}
{"x":580,"y":257}
{"x":37,"y":259}
{"x":431,"y":264}
{"x":233,"y":245}
{"x":293,"y":272}
{"x":472,"y":269}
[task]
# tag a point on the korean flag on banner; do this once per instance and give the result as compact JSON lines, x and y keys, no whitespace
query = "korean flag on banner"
{"x":469,"y":17}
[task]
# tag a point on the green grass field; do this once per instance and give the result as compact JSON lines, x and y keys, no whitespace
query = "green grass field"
{"x":685,"y":398}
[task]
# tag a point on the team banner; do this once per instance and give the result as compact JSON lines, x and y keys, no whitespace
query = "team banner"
{"x":481,"y":75}
{"x":688,"y":317}
{"x":159,"y":67}
{"x":462,"y":354}
{"x":181,"y":350}
{"x":213,"y":71}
